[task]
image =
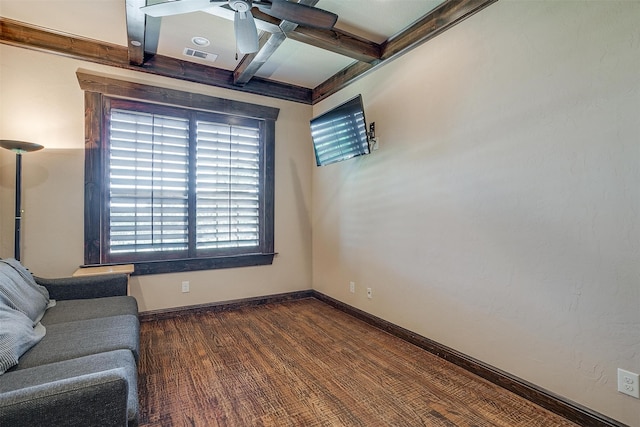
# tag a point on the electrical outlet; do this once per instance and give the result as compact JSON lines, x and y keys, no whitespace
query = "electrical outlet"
{"x":369,"y":293}
{"x":352,"y":287}
{"x":185,"y":286}
{"x":628,"y":383}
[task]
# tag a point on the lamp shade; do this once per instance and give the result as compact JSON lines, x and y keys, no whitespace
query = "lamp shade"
{"x":19,"y":146}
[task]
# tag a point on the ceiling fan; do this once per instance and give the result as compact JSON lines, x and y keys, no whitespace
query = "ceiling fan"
{"x":244,"y":24}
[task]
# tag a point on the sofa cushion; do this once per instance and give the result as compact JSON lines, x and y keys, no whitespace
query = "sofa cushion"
{"x":17,"y":335}
{"x":69,"y":340}
{"x":19,"y":290}
{"x":69,"y":369}
{"x":83,"y":309}
{"x":85,"y":287}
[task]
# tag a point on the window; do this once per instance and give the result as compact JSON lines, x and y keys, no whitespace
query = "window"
{"x":172,"y":188}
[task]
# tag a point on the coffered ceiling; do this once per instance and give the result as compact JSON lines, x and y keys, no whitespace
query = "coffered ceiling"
{"x":294,"y":62}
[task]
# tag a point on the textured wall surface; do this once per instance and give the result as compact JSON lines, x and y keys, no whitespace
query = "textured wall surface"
{"x":501,"y":214}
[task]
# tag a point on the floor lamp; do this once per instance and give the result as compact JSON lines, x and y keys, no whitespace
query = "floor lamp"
{"x":18,"y":147}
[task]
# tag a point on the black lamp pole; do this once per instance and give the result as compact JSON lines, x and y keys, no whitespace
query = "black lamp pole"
{"x":18,"y":147}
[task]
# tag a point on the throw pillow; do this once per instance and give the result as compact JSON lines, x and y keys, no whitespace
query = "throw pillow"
{"x":17,"y":335}
{"x":19,"y":290}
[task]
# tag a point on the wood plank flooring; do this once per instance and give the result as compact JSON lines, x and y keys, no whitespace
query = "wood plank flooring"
{"x":304,"y":363}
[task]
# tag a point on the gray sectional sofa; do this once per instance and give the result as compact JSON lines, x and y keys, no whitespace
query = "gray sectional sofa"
{"x":72,"y":362}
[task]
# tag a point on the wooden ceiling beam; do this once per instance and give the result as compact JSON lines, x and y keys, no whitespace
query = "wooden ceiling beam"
{"x":333,"y":40}
{"x":264,"y":22}
{"x":339,"y":42}
{"x":20,"y":34}
{"x":32,"y":37}
{"x":143,"y":32}
{"x":252,"y":62}
{"x":136,"y":26}
{"x":445,"y":16}
{"x":437,"y":21}
{"x":185,"y":70}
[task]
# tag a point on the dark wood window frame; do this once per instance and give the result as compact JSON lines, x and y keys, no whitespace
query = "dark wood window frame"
{"x":98,"y":90}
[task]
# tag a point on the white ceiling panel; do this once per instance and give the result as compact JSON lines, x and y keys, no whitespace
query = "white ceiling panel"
{"x":177,"y":31}
{"x":302,"y":65}
{"x":377,"y":20}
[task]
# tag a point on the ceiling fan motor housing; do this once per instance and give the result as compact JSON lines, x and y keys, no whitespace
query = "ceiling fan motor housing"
{"x":240,"y":5}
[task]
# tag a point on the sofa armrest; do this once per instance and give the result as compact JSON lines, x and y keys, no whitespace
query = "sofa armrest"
{"x":96,"y":399}
{"x":108,"y":285}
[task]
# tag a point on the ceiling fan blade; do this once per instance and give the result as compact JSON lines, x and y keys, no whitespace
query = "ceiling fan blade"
{"x":246,"y":32}
{"x":299,"y":13}
{"x":179,"y":6}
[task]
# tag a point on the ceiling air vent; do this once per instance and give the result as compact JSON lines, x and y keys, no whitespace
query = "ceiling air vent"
{"x":200,"y":54}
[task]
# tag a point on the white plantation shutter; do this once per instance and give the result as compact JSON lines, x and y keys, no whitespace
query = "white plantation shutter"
{"x":148,"y":182}
{"x":178,"y":186}
{"x":161,"y":203}
{"x":227,"y":186}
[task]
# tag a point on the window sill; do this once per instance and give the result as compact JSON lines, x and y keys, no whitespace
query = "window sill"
{"x":195,"y":264}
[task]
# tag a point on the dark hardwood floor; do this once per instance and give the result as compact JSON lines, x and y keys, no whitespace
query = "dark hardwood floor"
{"x":304,"y":363}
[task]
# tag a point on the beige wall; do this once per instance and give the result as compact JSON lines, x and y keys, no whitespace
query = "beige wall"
{"x":499,"y":217}
{"x":42,"y":102}
{"x":501,"y":214}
